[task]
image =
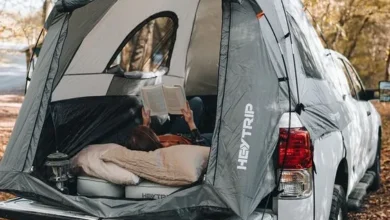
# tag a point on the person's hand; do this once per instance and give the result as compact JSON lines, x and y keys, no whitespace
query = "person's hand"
{"x":188,"y":116}
{"x":146,"y":120}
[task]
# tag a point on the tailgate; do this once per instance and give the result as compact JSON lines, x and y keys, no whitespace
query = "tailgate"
{"x":26,"y":209}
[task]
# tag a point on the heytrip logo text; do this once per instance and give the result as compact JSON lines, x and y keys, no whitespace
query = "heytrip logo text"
{"x":243,"y":154}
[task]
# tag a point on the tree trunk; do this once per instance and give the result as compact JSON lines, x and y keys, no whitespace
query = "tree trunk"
{"x":126,"y":56}
{"x":141,"y":48}
{"x":387,"y":73}
{"x":44,"y":11}
{"x":356,"y":36}
{"x":46,"y":8}
{"x":147,"y":62}
{"x":343,"y":20}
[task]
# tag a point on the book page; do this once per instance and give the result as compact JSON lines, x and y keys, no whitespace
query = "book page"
{"x":153,"y":100}
{"x":175,"y":99}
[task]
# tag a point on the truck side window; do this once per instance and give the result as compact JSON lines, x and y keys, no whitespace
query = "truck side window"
{"x":350,"y":84}
{"x":355,"y":78}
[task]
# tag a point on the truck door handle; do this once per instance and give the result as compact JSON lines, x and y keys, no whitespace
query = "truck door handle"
{"x":368,"y":113}
{"x":344,"y":97}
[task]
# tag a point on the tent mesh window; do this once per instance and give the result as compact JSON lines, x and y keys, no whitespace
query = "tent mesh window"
{"x":149,"y":48}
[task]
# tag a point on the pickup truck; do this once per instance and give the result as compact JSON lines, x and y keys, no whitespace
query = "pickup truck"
{"x":267,"y":161}
{"x":344,"y":172}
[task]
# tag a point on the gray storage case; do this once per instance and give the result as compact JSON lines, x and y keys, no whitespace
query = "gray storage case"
{"x":149,"y":190}
{"x":89,"y":186}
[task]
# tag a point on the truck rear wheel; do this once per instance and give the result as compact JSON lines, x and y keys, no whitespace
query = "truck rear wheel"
{"x":376,"y":168}
{"x":338,"y":209}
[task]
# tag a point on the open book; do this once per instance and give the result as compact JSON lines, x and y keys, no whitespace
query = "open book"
{"x":161,"y":99}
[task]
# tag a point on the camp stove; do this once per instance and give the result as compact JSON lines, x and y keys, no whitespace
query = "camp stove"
{"x":59,"y":167}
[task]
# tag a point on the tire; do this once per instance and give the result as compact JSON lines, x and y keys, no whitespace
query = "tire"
{"x":376,"y":168}
{"x":338,"y":209}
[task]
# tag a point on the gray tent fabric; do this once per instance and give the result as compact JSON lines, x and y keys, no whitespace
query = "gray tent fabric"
{"x":53,"y":18}
{"x":30,"y":119}
{"x":270,"y":63}
{"x":247,"y":129}
{"x":70,"y":5}
{"x":45,"y":99}
{"x":203,"y":197}
{"x":80,"y":24}
{"x":203,"y":54}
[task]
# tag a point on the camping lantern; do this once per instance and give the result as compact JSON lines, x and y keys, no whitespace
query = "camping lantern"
{"x":59,"y":168}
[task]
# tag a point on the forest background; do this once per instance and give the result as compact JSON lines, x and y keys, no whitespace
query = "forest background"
{"x":359,"y":29}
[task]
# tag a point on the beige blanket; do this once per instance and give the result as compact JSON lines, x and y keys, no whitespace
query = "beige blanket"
{"x":173,"y":166}
{"x":88,"y":162}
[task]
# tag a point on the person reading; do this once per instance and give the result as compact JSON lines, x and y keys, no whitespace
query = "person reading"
{"x":183,"y":129}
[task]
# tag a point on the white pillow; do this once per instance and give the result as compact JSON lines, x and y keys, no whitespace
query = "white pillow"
{"x":88,"y":162}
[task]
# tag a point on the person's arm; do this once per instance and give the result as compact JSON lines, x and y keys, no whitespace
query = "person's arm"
{"x":196,"y":138}
{"x":146,"y":120}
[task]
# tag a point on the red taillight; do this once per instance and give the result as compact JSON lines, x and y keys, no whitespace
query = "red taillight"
{"x":299,"y":150}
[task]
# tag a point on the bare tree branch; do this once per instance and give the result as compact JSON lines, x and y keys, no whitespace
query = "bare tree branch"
{"x":2,"y":7}
{"x":356,"y":36}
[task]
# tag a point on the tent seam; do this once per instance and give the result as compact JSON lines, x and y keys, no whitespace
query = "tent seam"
{"x":65,"y":68}
{"x":189,"y":43}
{"x":224,"y":90}
{"x":44,"y":90}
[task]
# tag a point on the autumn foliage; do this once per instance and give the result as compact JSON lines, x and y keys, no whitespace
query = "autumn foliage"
{"x":360,"y":30}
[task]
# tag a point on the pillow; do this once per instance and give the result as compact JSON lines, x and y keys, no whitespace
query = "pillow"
{"x":173,"y":166}
{"x":88,"y":162}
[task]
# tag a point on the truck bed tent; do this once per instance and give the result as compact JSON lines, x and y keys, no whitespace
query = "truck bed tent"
{"x":261,"y":58}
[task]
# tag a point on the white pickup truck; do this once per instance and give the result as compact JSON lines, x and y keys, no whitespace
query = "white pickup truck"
{"x":343,"y":174}
{"x":268,"y":60}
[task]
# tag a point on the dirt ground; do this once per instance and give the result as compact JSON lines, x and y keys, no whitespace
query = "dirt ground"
{"x":9,"y":109}
{"x":376,"y":206}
